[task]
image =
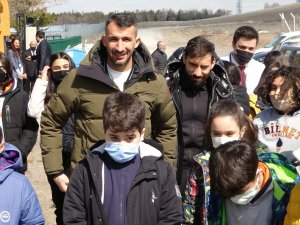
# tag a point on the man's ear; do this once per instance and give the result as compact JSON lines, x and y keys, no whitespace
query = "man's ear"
{"x":2,"y":147}
{"x":143,"y":134}
{"x":137,"y":42}
{"x":213,"y":63}
{"x":104,"y":40}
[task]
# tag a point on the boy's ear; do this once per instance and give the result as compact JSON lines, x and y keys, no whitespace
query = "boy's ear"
{"x":2,"y":147}
{"x":143,"y":134}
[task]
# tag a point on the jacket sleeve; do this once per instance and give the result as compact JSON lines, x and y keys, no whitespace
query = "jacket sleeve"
{"x":153,"y":56}
{"x":43,"y":54}
{"x":56,"y":113}
{"x":164,"y":122}
{"x":74,"y":207}
{"x":293,"y":213}
{"x":36,"y":101}
{"x":171,"y":207}
{"x":68,"y":135}
{"x":31,"y":212}
{"x":29,"y":130}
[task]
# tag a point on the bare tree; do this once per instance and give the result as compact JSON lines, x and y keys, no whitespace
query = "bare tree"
{"x":25,"y":6}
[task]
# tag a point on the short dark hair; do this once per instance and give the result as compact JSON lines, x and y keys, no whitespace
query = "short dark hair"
{"x":40,"y":34}
{"x":123,"y":112}
{"x":122,"y":20}
{"x":291,"y":76}
{"x":232,"y":166}
{"x":233,"y":72}
{"x":228,"y":107}
{"x":8,"y":67}
{"x":199,"y":47}
{"x":247,"y":32}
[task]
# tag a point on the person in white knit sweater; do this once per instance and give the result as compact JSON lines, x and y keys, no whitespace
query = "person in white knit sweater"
{"x":279,"y":127}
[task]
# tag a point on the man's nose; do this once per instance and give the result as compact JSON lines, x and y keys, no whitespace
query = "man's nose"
{"x":198,"y":72}
{"x":120,"y":45}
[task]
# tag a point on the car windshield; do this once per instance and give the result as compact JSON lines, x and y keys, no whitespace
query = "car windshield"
{"x":275,"y":41}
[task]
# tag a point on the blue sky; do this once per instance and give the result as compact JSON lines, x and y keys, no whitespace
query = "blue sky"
{"x":131,"y":5}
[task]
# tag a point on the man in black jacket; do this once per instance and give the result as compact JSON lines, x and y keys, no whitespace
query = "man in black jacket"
{"x":43,"y":51}
{"x":160,"y":58}
{"x":197,"y":81}
{"x":123,"y":181}
{"x":30,"y":67}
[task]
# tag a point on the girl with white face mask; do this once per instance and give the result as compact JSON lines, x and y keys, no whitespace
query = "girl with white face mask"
{"x":279,"y":127}
{"x":226,"y":122}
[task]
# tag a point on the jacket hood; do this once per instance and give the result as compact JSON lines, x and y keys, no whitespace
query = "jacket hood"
{"x":218,"y":75}
{"x":145,"y":150}
{"x":95,"y":62}
{"x":9,"y":87}
{"x":10,"y":160}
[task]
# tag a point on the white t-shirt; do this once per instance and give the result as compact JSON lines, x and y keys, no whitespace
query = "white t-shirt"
{"x":118,"y":77}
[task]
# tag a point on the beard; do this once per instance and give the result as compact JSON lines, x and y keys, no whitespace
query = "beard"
{"x":196,"y":81}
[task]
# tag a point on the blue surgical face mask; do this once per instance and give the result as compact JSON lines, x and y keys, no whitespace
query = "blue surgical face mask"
{"x":121,"y":152}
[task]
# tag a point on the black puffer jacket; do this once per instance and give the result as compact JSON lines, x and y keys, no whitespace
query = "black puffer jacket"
{"x":218,"y":87}
{"x":160,"y":61}
{"x":19,"y":129}
{"x":153,"y":198}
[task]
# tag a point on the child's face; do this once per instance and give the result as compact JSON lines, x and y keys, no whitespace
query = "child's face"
{"x":225,"y":126}
{"x":133,"y":137}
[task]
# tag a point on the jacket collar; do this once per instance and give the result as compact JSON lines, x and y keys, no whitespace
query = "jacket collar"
{"x":94,"y":64}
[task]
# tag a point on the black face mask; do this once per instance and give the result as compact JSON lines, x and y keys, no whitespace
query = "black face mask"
{"x":243,"y":57}
{"x":58,"y":76}
{"x":3,"y":76}
{"x":32,"y":49}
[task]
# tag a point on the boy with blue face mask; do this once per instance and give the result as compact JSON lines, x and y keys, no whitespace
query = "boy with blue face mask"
{"x":123,"y":181}
{"x":247,"y":189}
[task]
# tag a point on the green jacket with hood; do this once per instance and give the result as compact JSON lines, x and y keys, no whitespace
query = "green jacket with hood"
{"x":83,"y":92}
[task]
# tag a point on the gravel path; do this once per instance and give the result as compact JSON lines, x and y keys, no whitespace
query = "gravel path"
{"x":40,"y":184}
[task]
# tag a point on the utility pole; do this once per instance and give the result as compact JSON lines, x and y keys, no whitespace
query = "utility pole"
{"x":239,"y":7}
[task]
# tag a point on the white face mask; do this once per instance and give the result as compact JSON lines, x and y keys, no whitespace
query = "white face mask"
{"x":217,"y":141}
{"x":245,"y":198}
{"x":280,"y":104}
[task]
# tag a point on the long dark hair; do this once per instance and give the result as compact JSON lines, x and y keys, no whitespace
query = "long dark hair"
{"x":51,"y":86}
{"x":16,"y":51}
{"x":8,"y":67}
{"x":291,"y":76}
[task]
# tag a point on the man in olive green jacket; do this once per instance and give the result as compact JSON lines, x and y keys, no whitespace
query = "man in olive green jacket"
{"x":119,"y":53}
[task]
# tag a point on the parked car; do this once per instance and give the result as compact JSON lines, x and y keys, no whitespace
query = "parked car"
{"x":291,"y":51}
{"x":275,"y":44}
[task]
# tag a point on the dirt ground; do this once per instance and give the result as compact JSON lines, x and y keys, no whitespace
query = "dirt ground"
{"x":220,"y":34}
